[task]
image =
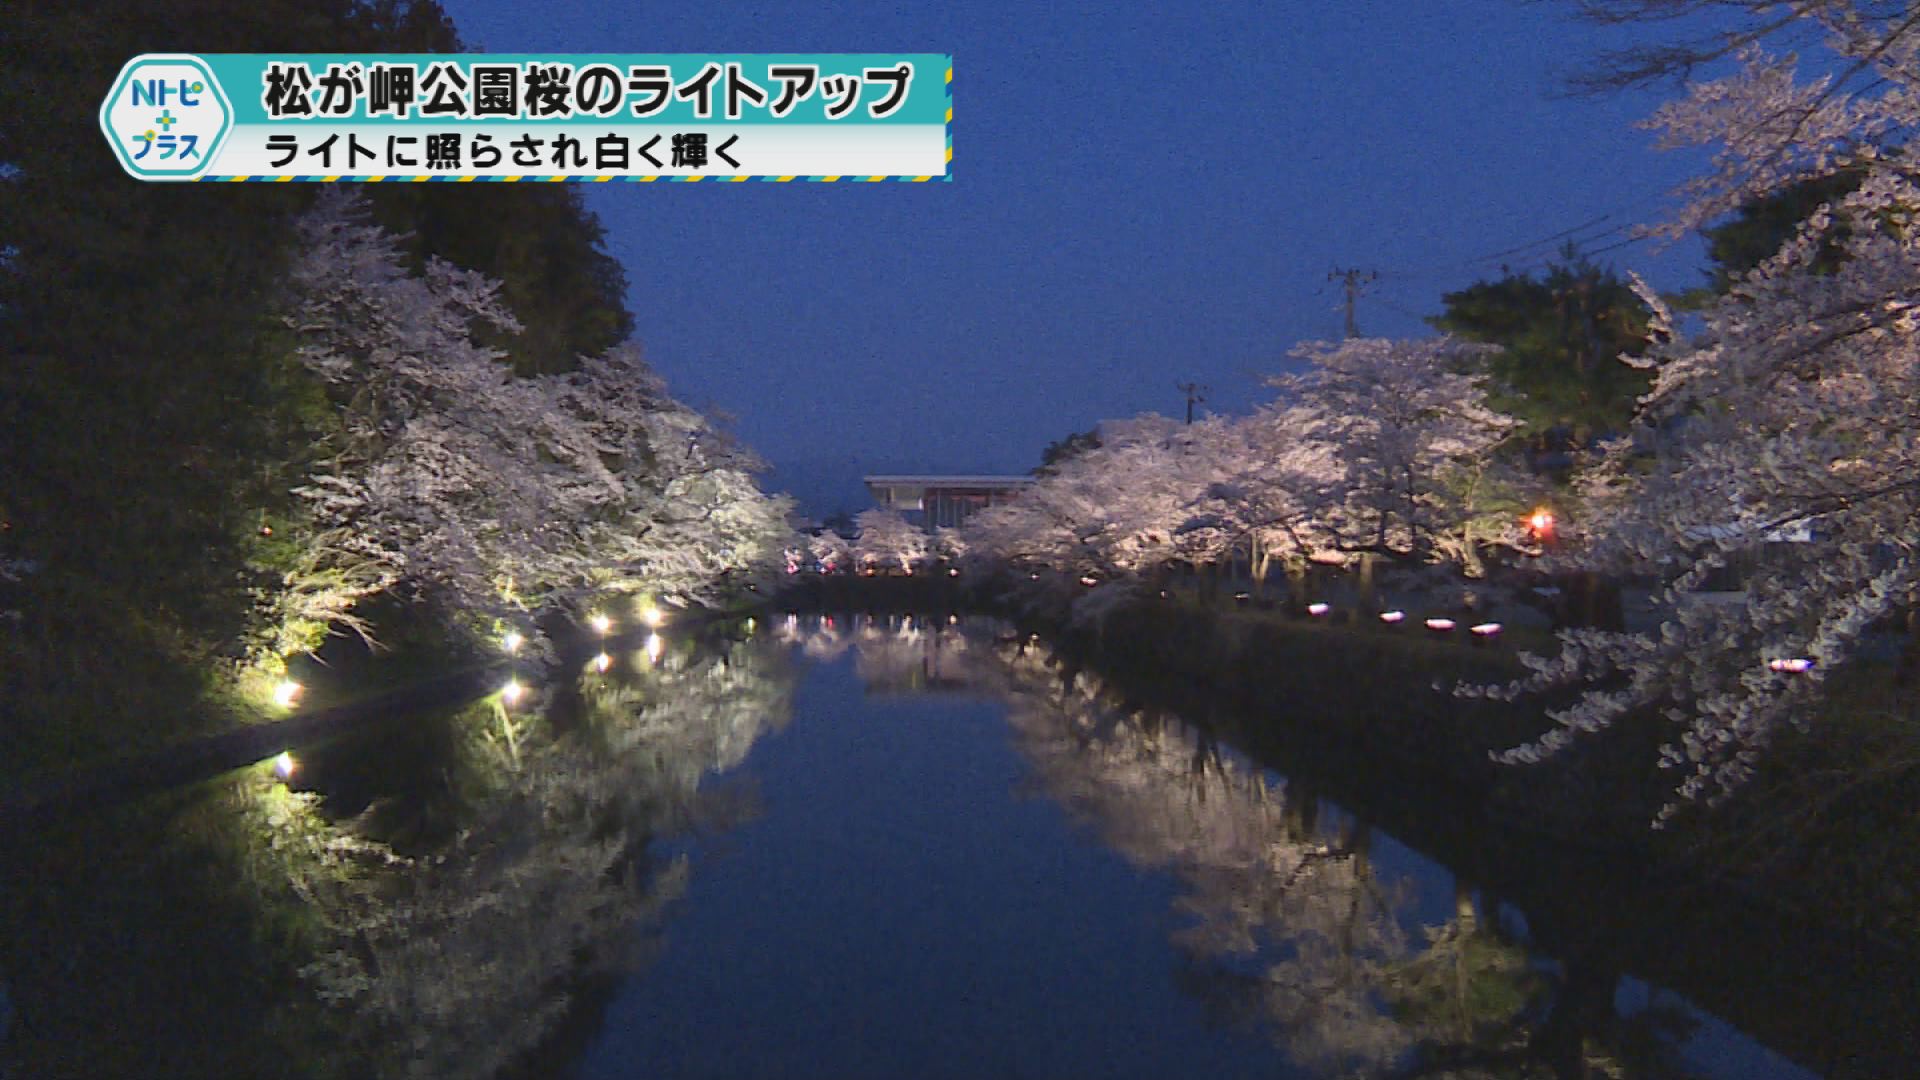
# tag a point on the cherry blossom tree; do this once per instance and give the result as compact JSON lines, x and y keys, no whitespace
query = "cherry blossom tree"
{"x":1412,"y":440}
{"x":1789,"y":417}
{"x":830,"y":552}
{"x":1117,"y":508}
{"x":451,"y":479}
{"x":1269,"y":488}
{"x":1383,"y":448}
{"x":888,"y":541}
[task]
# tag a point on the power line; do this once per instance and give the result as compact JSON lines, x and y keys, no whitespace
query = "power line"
{"x":1530,"y":247}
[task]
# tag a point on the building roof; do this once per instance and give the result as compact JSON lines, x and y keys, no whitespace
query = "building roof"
{"x":910,"y":480}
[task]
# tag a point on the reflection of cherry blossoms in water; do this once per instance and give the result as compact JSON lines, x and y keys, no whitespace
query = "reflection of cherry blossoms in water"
{"x":1293,"y":928}
{"x":1289,"y":922}
{"x":458,"y":960}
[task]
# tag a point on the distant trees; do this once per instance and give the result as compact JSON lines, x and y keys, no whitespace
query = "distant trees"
{"x":1381,"y":449}
{"x":1061,"y":450}
{"x":888,"y":542}
{"x":1561,"y":336}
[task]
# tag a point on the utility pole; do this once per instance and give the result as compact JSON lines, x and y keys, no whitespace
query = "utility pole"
{"x":1196,"y":394}
{"x":1352,"y":282}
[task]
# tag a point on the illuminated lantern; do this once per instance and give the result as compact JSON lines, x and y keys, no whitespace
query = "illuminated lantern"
{"x":1540,"y":523}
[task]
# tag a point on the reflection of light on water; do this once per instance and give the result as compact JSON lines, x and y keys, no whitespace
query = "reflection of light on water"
{"x":512,"y":641}
{"x":655,"y":647}
{"x":1792,"y":666}
{"x":602,"y":662}
{"x":600,"y":622}
{"x":283,"y":765}
{"x":652,"y":615}
{"x":511,"y":692}
{"x":285,"y":693}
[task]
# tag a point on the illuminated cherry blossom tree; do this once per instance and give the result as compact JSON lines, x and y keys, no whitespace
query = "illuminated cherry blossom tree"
{"x":888,"y":541}
{"x":1412,"y":441}
{"x":450,"y":478}
{"x":1786,"y":429}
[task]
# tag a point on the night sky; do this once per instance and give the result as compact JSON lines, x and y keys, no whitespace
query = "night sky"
{"x":1141,"y":198}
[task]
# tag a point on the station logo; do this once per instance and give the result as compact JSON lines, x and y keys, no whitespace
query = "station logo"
{"x":166,"y":116}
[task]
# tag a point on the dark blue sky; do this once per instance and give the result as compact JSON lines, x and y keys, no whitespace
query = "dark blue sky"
{"x":1142,"y":196}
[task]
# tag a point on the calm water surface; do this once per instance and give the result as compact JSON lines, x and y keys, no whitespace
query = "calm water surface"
{"x":838,"y":848}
